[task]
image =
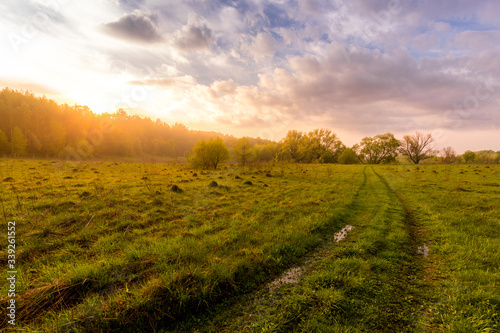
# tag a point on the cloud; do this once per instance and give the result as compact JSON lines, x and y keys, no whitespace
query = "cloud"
{"x":263,"y":45}
{"x":375,"y":92}
{"x":138,"y":27}
{"x":277,"y":16}
{"x":478,"y":40}
{"x":37,"y":87}
{"x":364,"y":65}
{"x":165,"y":82}
{"x":312,"y":62}
{"x":316,"y":6}
{"x":221,"y":88}
{"x":193,"y":37}
{"x":134,"y":4}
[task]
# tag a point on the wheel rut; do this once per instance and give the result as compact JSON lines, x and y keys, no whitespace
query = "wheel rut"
{"x":370,"y":269}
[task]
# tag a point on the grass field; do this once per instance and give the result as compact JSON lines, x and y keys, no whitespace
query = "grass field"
{"x":107,"y":246}
{"x":458,"y":214}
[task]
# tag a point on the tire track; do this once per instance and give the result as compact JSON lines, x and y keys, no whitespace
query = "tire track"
{"x":366,"y":277}
{"x":425,"y":270}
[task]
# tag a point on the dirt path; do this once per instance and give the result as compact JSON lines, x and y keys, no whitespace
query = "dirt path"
{"x":368,"y":276}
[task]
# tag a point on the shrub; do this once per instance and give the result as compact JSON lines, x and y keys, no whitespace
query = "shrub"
{"x":208,"y":155}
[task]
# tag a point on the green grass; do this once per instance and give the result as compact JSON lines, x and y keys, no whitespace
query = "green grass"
{"x":458,"y":209}
{"x":108,"y":246}
{"x":369,"y":282}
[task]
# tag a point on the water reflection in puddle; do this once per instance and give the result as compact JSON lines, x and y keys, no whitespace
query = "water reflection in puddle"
{"x":342,"y":233}
{"x":293,"y":274}
{"x":423,"y":249}
{"x":290,"y":276}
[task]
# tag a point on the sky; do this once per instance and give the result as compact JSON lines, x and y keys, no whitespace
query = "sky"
{"x":262,"y":67}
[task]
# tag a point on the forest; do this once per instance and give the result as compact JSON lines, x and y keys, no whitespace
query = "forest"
{"x":38,"y":127}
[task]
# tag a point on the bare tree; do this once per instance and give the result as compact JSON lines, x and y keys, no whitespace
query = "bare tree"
{"x":448,"y":155}
{"x":417,"y":147}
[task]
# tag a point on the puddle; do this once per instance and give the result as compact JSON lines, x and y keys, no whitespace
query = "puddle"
{"x":293,"y":274}
{"x":423,"y":249}
{"x":342,"y":233}
{"x":290,"y":276}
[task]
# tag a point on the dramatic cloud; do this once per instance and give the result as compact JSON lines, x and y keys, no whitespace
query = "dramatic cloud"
{"x":262,"y":67}
{"x":137,"y":26}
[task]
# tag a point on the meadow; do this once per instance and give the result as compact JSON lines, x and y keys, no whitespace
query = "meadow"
{"x":108,"y":246}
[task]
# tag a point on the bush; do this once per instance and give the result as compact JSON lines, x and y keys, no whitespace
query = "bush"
{"x":208,"y":155}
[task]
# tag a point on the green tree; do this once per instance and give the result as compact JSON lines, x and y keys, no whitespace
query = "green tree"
{"x":209,"y":154}
{"x":321,"y":145}
{"x":18,"y":142}
{"x":242,"y":151}
{"x":417,"y":147}
{"x":469,"y":156}
{"x":290,"y":146}
{"x":265,"y":152}
{"x":485,"y":156}
{"x":57,"y":138}
{"x":381,"y":148}
{"x":348,"y":156}
{"x":4,"y":144}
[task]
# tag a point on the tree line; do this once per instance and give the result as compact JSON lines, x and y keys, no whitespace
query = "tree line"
{"x":39,"y":127}
{"x":323,"y":146}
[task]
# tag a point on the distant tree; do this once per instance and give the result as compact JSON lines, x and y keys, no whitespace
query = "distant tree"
{"x":4,"y":144}
{"x":265,"y":152}
{"x":160,"y":147}
{"x":209,"y":154}
{"x":50,"y":128}
{"x":448,"y":155}
{"x":57,"y":137}
{"x":243,"y":151}
{"x":348,"y":156}
{"x":84,"y":149}
{"x":290,"y":146}
{"x":417,"y":147}
{"x":469,"y":156}
{"x":36,"y":146}
{"x":485,"y":156}
{"x":382,"y":148}
{"x":320,"y":145}
{"x":317,"y":146}
{"x":18,"y":142}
